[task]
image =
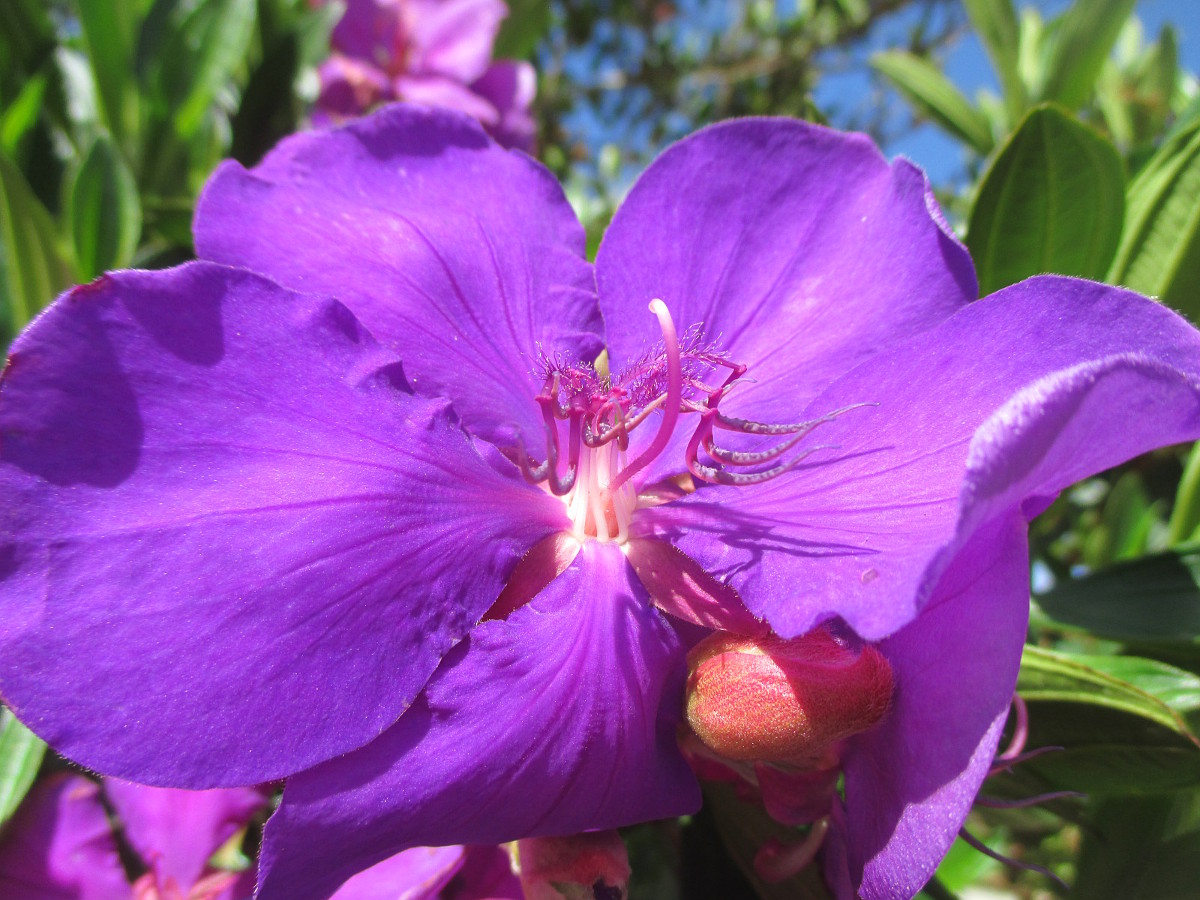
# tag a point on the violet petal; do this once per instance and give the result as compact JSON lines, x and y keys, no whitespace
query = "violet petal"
{"x":998,"y":409}
{"x":464,"y":257}
{"x":559,"y":719}
{"x":798,"y":249}
{"x":911,"y":781}
{"x":234,"y":544}
{"x":419,"y":873}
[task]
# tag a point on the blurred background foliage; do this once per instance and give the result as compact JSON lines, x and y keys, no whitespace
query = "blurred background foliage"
{"x":1085,"y":160}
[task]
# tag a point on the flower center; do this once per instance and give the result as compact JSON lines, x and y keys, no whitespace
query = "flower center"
{"x":589,"y":416}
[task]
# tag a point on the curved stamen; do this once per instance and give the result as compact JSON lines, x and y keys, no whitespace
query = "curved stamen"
{"x":1025,"y":802}
{"x":776,"y":861}
{"x":742,"y":479}
{"x":1020,"y":731}
{"x":671,"y":404}
{"x":748,"y":458}
{"x":1008,"y":860}
{"x":748,"y":426}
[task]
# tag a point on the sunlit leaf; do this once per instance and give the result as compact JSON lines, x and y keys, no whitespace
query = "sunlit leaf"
{"x":998,"y":29}
{"x":1159,"y":253}
{"x":109,"y":28}
{"x":1085,"y":36}
{"x":935,"y":96}
{"x":1047,"y":675}
{"x":1052,"y":201}
{"x":21,"y":754}
{"x":200,"y":56}
{"x":104,"y":212}
{"x":35,"y":271}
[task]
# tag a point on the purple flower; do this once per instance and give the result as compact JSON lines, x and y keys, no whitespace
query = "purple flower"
{"x":435,"y":52}
{"x":61,"y":845}
{"x":254,"y":533}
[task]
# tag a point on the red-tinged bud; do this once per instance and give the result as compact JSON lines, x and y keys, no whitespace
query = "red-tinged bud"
{"x":784,"y":701}
{"x":591,"y":866}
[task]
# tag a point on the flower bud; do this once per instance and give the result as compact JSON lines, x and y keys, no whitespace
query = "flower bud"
{"x":592,"y":866}
{"x":784,"y":701}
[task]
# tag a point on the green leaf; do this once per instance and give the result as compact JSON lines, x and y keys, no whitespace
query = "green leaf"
{"x":1085,"y":36}
{"x":22,"y":114}
{"x":1047,"y":675}
{"x":201,"y":56}
{"x":21,"y":753}
{"x":1155,"y":599}
{"x":1159,"y":253}
{"x":526,"y":24}
{"x":35,"y":271}
{"x":1141,"y":848}
{"x":109,"y":27}
{"x":934,"y":96}
{"x":996,"y":23}
{"x":1052,"y":201}
{"x":104,"y":212}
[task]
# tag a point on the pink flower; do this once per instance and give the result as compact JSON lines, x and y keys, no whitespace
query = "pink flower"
{"x":434,"y":52}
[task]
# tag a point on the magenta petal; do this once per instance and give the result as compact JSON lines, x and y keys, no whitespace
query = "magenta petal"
{"x":59,"y":846}
{"x":453,"y":37}
{"x":175,"y":831}
{"x":371,"y":30}
{"x":222,"y":506}
{"x":416,"y":874}
{"x":798,"y":249}
{"x":911,"y":781}
{"x":558,"y":720}
{"x":510,"y":86}
{"x":1011,"y":400}
{"x":462,"y":256}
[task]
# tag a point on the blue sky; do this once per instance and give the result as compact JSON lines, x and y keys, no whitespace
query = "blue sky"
{"x":968,"y":67}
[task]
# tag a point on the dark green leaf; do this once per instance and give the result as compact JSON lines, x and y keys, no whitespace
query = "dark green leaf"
{"x":1107,"y":751}
{"x":1159,"y":253}
{"x":1141,"y":848}
{"x":104,"y":212}
{"x":1085,"y":36}
{"x":1052,"y":201}
{"x":21,"y":754}
{"x":35,"y":271}
{"x":934,"y":96}
{"x":1150,"y":600}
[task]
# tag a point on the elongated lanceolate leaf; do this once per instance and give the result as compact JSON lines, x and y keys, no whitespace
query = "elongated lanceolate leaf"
{"x":1086,"y":35}
{"x":108,"y":27}
{"x":1052,"y":201}
{"x":21,"y":754}
{"x":996,"y":23}
{"x":1115,"y":736}
{"x":34,"y":269}
{"x":1047,"y":675}
{"x":104,"y":211}
{"x":934,"y":96}
{"x":202,"y":56}
{"x":1159,"y":253}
